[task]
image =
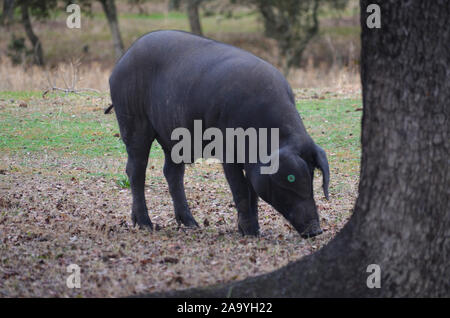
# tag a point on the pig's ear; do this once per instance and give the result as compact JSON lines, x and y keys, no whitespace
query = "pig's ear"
{"x":293,"y":173}
{"x":322,"y":164}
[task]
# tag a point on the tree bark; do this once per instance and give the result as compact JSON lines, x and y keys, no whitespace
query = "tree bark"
{"x":111,"y":15}
{"x":194,"y":17}
{"x":401,"y":219}
{"x":8,"y":12}
{"x":35,"y":42}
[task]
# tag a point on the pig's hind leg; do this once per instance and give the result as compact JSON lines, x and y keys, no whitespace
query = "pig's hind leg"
{"x":174,"y":174}
{"x":138,"y":136}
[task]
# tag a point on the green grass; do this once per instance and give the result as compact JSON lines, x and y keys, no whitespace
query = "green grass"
{"x":89,"y":134}
{"x":25,"y":95}
{"x":335,"y":125}
{"x":123,"y":182}
{"x":341,"y":31}
{"x":20,"y":94}
{"x":61,"y":133}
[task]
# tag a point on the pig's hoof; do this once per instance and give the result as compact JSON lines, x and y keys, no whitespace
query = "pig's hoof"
{"x":248,"y":229}
{"x":187,"y":220}
{"x":143,"y":221}
{"x":312,"y":234}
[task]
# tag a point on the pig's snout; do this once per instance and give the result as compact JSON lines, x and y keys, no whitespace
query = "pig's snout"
{"x":313,"y":229}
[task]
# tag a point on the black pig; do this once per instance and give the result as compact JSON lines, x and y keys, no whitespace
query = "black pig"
{"x":168,"y":79}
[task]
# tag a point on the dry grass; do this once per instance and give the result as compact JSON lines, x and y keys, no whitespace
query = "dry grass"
{"x":34,"y":78}
{"x":335,"y":79}
{"x":53,"y":222}
{"x":95,"y":76}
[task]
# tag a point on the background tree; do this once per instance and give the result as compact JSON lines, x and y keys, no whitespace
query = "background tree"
{"x":292,"y":23}
{"x":41,"y":10}
{"x":174,"y":5}
{"x":8,"y":12}
{"x":139,"y":4}
{"x":109,"y":7}
{"x":35,"y":42}
{"x":192,"y":8}
{"x":401,"y":219}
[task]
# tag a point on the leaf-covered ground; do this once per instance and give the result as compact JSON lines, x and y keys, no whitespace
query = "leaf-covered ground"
{"x":64,"y":200}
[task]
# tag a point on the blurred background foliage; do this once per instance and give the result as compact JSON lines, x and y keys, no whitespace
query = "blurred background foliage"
{"x":321,"y":35}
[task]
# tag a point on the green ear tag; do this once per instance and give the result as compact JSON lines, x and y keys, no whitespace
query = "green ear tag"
{"x":291,"y":178}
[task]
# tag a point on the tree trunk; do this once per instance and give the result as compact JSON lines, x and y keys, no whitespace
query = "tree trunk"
{"x":35,"y":42}
{"x":8,"y":12}
{"x":174,"y":5}
{"x":292,"y":24}
{"x":401,"y":219}
{"x":111,"y":15}
{"x":194,"y":18}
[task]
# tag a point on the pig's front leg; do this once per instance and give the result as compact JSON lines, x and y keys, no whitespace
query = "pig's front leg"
{"x":245,"y":199}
